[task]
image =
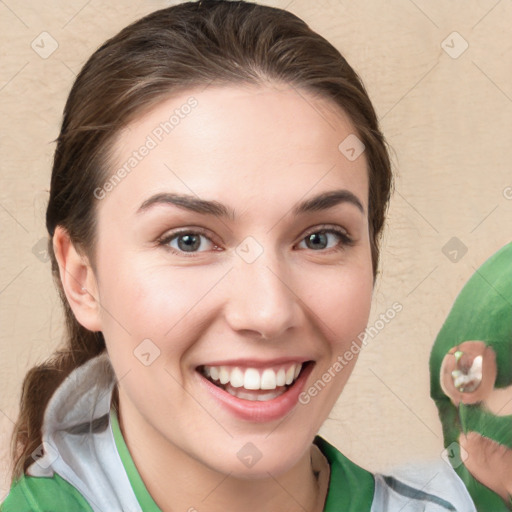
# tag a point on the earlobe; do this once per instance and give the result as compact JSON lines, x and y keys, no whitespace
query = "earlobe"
{"x":78,"y":281}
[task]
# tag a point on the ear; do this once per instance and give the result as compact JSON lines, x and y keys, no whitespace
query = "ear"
{"x":78,"y":281}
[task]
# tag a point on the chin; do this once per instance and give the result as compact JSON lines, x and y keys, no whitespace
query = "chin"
{"x":257,"y":459}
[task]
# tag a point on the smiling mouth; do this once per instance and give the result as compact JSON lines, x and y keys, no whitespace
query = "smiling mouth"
{"x":254,"y":384}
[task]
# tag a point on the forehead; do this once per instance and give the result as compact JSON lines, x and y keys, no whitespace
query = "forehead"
{"x":236,"y":143}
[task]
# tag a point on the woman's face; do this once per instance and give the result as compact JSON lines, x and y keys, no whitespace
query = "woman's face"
{"x":235,"y":245}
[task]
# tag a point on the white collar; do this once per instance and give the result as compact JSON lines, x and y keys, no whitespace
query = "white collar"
{"x":78,"y":441}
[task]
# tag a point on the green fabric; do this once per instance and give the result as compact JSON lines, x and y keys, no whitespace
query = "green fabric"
{"x":41,"y":494}
{"x":141,"y":493}
{"x":350,"y":487}
{"x":481,"y":312}
{"x":475,"y":419}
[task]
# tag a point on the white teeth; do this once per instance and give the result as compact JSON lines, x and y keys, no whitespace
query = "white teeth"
{"x":214,"y":372}
{"x":236,"y":378}
{"x":268,"y":379}
{"x":261,"y":397}
{"x":252,"y":378}
{"x":223,"y":375}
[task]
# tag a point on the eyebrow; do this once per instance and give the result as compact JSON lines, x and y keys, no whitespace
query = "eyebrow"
{"x":320,"y":202}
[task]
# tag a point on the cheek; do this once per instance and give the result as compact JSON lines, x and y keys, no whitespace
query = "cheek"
{"x":341,"y":301}
{"x":153,"y":320}
{"x":341,"y":306}
{"x":141,"y":301}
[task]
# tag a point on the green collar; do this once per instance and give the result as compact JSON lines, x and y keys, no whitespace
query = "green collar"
{"x":145,"y":500}
{"x":350,"y":487}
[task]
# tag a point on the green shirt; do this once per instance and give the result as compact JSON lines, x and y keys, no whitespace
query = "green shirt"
{"x":350,"y":487}
{"x":94,"y":470}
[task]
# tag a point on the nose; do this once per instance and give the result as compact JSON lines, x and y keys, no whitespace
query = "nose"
{"x":261,"y":300}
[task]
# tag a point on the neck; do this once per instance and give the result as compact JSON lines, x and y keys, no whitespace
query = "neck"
{"x":177,"y":481}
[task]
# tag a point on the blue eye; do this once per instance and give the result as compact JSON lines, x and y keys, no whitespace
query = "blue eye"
{"x":326,"y":239}
{"x":191,"y":242}
{"x":186,"y":242}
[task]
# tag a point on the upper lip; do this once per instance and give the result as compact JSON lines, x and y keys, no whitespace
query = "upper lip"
{"x":257,"y":363}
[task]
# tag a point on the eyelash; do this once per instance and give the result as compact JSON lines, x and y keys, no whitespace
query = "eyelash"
{"x":345,"y":239}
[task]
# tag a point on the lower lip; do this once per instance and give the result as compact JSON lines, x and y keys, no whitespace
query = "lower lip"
{"x":256,"y":411}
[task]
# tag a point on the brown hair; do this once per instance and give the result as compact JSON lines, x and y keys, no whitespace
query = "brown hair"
{"x":172,"y":50}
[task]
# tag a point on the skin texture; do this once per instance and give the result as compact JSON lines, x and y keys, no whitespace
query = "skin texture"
{"x":489,"y":462}
{"x":259,"y":151}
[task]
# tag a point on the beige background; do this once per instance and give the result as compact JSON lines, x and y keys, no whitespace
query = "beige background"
{"x":448,"y":120}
